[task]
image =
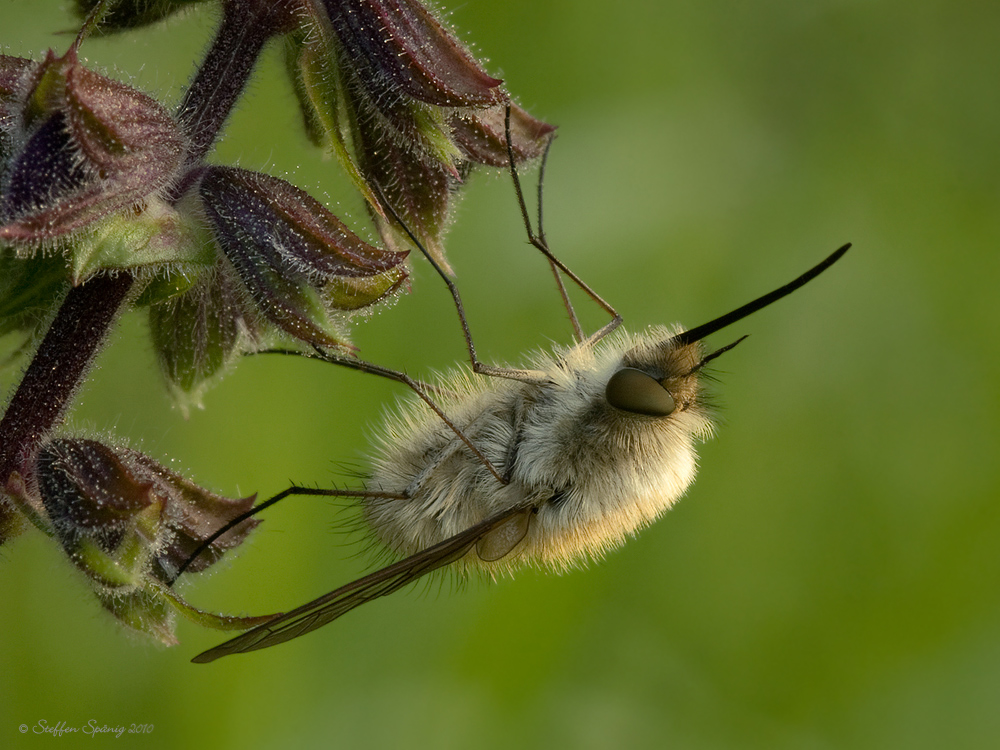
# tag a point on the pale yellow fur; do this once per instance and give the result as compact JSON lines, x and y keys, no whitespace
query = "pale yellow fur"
{"x":612,"y":472}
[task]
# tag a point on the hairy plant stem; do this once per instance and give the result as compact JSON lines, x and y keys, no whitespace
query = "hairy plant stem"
{"x":245,"y":29}
{"x":56,"y":371}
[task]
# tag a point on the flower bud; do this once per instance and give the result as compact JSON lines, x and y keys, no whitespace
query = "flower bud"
{"x":200,"y":331}
{"x":480,"y":135}
{"x":129,"y":524}
{"x":286,"y":247}
{"x":108,"y":495}
{"x":89,"y":147}
{"x":398,"y":48}
{"x":404,"y":106}
{"x":282,"y":261}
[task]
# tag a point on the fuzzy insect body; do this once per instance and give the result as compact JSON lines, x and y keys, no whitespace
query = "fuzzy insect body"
{"x":584,"y":474}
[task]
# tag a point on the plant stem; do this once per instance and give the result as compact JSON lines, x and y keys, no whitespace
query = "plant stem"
{"x":56,"y":371}
{"x":245,"y":29}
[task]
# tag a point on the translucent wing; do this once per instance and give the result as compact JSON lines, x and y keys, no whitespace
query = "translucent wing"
{"x":329,"y":607}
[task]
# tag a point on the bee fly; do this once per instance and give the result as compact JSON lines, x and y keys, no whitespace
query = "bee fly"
{"x":546,"y":465}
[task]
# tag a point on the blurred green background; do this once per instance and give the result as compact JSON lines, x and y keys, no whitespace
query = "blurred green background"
{"x":830,"y":581}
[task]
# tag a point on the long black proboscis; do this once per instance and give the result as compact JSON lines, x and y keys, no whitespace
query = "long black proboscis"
{"x":707,"y":329}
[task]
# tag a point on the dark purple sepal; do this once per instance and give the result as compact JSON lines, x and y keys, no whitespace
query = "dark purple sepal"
{"x":399,"y":48}
{"x":125,"y":503}
{"x":92,"y":147}
{"x":481,"y":135}
{"x":285,"y":247}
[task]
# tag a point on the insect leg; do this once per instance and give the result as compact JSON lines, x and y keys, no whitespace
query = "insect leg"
{"x":422,"y":389}
{"x":539,"y":242}
{"x":567,"y":303}
{"x":293,"y":490}
{"x":354,"y":363}
{"x":537,"y":239}
{"x":478,"y":366}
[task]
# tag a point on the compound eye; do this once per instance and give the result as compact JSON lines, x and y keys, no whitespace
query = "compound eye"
{"x":638,"y":392}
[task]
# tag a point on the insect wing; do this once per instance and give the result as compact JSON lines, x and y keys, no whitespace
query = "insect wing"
{"x":329,"y":607}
